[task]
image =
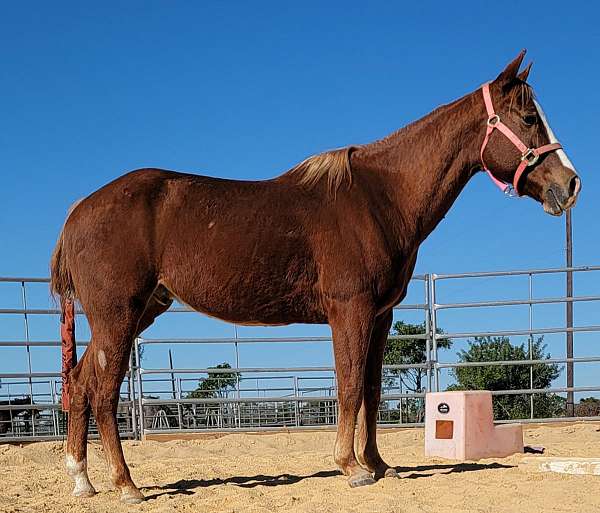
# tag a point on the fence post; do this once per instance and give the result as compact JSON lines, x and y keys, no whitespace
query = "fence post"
{"x":237,"y":406}
{"x":55,"y":423}
{"x":24,"y":299}
{"x":531,"y":396}
{"x":427,"y":337}
{"x":296,"y":408}
{"x":569,"y":307}
{"x":138,"y":369}
{"x":434,"y":357}
{"x":132,"y":395}
{"x":179,"y":408}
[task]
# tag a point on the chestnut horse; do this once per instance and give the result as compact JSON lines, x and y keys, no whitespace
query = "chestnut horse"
{"x":333,"y":240}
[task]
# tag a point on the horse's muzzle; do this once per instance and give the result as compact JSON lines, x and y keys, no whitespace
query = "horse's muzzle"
{"x":558,"y":198}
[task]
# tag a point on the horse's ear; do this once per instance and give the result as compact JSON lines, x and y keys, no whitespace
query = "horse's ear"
{"x":525,"y":73}
{"x":510,"y":72}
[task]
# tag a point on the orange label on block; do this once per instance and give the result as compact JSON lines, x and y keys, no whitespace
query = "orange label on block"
{"x":444,"y":429}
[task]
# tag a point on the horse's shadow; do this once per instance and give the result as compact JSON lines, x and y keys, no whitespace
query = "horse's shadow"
{"x":187,"y":486}
{"x":457,"y":468}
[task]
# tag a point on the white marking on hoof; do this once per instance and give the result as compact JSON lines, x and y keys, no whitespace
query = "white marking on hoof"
{"x":211,"y":224}
{"x":78,"y":472}
{"x":102,"y":359}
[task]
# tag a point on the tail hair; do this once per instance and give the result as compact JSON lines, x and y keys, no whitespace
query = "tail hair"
{"x":61,"y":281}
{"x":61,"y":284}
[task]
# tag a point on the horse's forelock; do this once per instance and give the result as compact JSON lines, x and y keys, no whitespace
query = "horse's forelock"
{"x":520,"y":95}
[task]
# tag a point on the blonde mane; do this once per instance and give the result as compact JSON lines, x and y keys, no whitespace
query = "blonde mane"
{"x":334,"y":164}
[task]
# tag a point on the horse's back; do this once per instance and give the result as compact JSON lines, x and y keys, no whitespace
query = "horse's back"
{"x":238,"y":250}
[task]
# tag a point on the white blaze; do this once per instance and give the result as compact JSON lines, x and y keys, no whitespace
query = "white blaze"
{"x":564,"y":160}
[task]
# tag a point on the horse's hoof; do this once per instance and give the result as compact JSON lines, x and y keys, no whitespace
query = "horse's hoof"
{"x":391,"y":472}
{"x":132,"y":500}
{"x":386,"y":472}
{"x":361,"y":480}
{"x":132,"y":496}
{"x":84,"y":493}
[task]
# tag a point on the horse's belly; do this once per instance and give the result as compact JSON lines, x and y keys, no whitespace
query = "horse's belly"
{"x":249,"y":305}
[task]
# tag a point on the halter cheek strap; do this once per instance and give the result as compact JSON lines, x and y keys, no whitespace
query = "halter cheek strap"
{"x":529,"y":156}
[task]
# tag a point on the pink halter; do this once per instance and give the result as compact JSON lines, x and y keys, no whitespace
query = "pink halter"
{"x":529,"y":156}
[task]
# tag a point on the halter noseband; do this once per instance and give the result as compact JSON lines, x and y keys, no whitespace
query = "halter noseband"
{"x":529,"y":156}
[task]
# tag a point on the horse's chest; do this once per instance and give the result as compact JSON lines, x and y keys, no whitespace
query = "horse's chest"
{"x":392,"y":284}
{"x":391,"y":298}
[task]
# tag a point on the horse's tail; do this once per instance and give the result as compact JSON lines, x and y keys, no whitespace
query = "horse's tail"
{"x":61,"y":284}
{"x":61,"y":281}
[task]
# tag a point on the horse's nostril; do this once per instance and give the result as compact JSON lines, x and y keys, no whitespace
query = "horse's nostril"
{"x":574,"y":186}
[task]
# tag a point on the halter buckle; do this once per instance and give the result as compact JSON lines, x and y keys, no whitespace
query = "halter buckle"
{"x":530,"y":157}
{"x":493,"y":120}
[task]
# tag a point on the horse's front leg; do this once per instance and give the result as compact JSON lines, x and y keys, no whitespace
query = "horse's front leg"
{"x":351,"y":325}
{"x":368,"y":453}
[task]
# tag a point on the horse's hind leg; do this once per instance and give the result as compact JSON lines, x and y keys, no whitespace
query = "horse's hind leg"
{"x":114,"y":325}
{"x":96,"y":380}
{"x":368,"y":453}
{"x":76,"y":452}
{"x":112,"y":339}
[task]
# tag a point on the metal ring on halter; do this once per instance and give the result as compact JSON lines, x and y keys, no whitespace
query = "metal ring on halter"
{"x":511,"y":192}
{"x":493,"y":120}
{"x":530,"y":156}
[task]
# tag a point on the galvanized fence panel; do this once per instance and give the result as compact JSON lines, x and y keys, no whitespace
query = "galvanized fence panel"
{"x":166,"y":400}
{"x":530,"y":302}
{"x":30,"y":407}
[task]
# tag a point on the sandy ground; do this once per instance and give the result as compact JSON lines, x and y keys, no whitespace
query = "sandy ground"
{"x":295,"y":472}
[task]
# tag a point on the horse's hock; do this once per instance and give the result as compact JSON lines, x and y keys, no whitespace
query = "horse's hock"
{"x":460,"y":426}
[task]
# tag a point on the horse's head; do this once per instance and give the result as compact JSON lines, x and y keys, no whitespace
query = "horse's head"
{"x":548,"y":177}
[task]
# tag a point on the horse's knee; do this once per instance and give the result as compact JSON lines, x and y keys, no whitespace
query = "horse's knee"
{"x":350,"y":396}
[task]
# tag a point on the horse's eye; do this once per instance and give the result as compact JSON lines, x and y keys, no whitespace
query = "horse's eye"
{"x":530,"y":119}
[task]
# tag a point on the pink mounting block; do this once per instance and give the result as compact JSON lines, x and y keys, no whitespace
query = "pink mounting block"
{"x":460,"y":426}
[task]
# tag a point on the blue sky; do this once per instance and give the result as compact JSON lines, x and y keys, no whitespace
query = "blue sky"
{"x":246,"y":90}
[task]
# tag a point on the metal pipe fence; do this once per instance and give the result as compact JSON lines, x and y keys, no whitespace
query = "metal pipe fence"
{"x":171,"y":399}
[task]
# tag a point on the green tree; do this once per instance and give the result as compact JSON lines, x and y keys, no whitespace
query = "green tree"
{"x":402,"y":351}
{"x":588,"y":407}
{"x":216,"y":384}
{"x":510,"y":377}
{"x":399,"y":351}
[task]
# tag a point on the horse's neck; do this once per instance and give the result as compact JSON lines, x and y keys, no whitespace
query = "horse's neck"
{"x":424,"y":167}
